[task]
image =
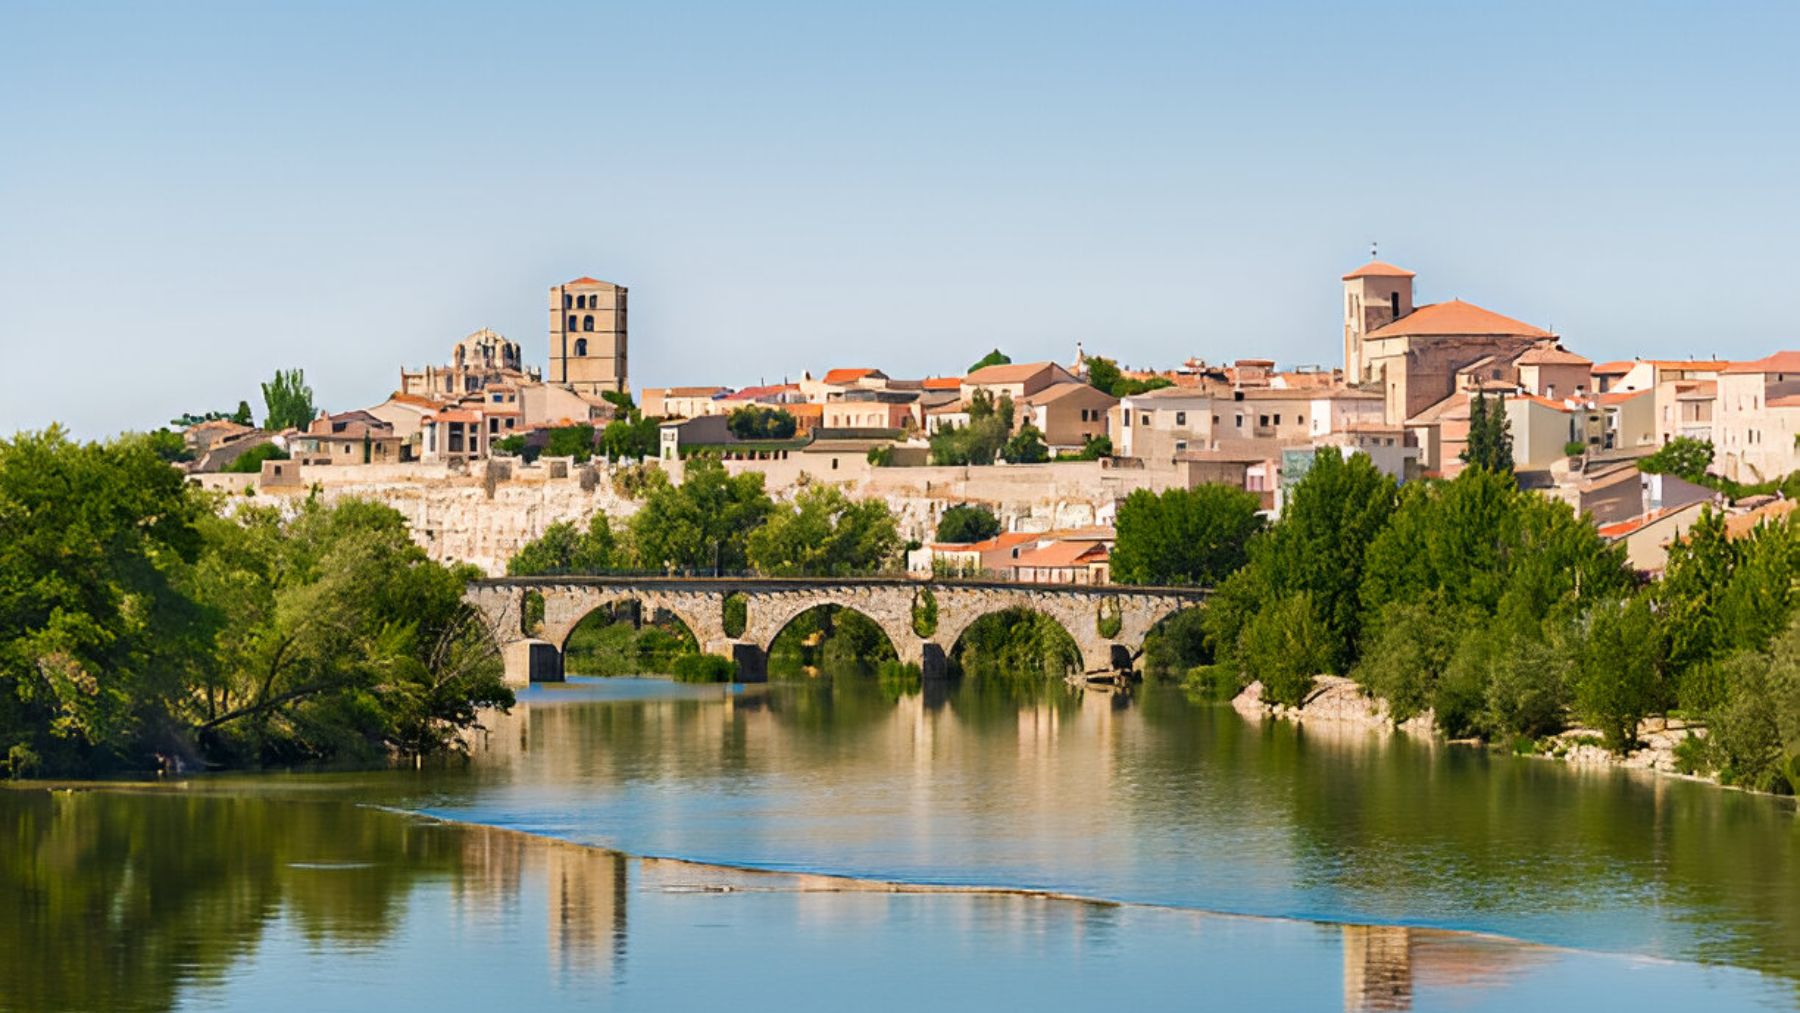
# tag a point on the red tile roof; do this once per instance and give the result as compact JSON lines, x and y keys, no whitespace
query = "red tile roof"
{"x":1613,"y":368}
{"x":1454,"y":318}
{"x":585,"y":280}
{"x":1013,"y":372}
{"x":1550,"y":355}
{"x":848,"y":375}
{"x":943,"y":382}
{"x":1378,"y":269}
{"x":1780,"y":362}
{"x":1621,"y":396}
{"x":1060,"y":554}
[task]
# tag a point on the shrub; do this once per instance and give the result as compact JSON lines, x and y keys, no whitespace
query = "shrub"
{"x":967,"y":522}
{"x":925,"y":612}
{"x":1177,"y":645}
{"x":1108,"y":620}
{"x":1574,"y":448}
{"x":1286,"y":646}
{"x":1213,"y":682}
{"x":704,"y":668}
{"x":250,"y":462}
{"x":736,"y":614}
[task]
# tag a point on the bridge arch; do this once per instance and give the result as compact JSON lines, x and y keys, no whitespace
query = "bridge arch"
{"x":641,"y":614}
{"x":1084,"y":657}
{"x":772,"y":612}
{"x":833,"y":622}
{"x":559,"y":630}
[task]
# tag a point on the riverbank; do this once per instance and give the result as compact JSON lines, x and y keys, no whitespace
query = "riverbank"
{"x":1340,"y":701}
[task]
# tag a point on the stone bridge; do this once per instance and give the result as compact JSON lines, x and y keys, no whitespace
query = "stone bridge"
{"x":1088,"y":613}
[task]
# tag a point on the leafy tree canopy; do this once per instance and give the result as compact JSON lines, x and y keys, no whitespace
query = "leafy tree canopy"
{"x":993,"y":358}
{"x":825,"y":533}
{"x":967,"y":522}
{"x":1183,"y":536}
{"x":761,"y":422}
{"x":565,"y":548}
{"x":702,"y":524}
{"x":288,"y":400}
{"x":1683,"y":457}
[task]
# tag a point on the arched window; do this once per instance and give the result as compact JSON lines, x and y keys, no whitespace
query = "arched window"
{"x":571,"y":321}
{"x":587,"y":323}
{"x":566,"y":300}
{"x":580,"y":346}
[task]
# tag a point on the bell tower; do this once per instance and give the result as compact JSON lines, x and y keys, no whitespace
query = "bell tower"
{"x":588,"y":336}
{"x":1375,"y":295}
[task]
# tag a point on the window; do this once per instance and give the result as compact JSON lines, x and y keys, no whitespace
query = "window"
{"x":1145,"y":418}
{"x":587,"y":323}
{"x":1394,"y":303}
{"x":1263,"y":420}
{"x":1181,"y":418}
{"x":1125,"y":420}
{"x":1240,"y":422}
{"x":580,"y":347}
{"x":567,"y":301}
{"x":572,"y":322}
{"x":1215,"y":420}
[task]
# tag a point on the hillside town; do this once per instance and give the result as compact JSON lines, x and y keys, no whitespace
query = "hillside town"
{"x":1050,"y":446}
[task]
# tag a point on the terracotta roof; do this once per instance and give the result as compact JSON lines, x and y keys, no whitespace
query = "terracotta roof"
{"x":1621,"y":396}
{"x":1057,"y":554}
{"x":1456,"y":317}
{"x":1550,"y":355}
{"x":767,"y":390}
{"x":806,"y":410}
{"x":669,"y":392}
{"x":848,"y":375}
{"x":1004,"y":540}
{"x":1789,"y":401}
{"x":453,"y":416}
{"x":1012,"y":372}
{"x":1619,"y":529}
{"x":1379,"y":269}
{"x":1613,"y":368}
{"x":585,"y":280}
{"x":1742,"y":524}
{"x":1780,"y":362}
{"x":943,"y":382}
{"x":1058,"y":391}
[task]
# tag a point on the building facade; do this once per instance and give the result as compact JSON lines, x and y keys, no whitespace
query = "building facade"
{"x":588,"y":336}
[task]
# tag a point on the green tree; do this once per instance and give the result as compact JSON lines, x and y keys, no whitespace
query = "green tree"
{"x":634,"y":436}
{"x":1183,"y":536}
{"x":1618,"y":677}
{"x":993,"y":358}
{"x":250,"y":462}
{"x":1287,"y":646}
{"x":564,"y":548}
{"x":977,"y":443}
{"x":1490,"y":435}
{"x":1026,"y":446}
{"x":702,"y":524}
{"x":1683,"y":457}
{"x":288,"y":400}
{"x":242,"y":416}
{"x":1317,"y":547}
{"x":1093,"y":449}
{"x":967,"y":522}
{"x":825,"y":534}
{"x":571,"y":441}
{"x":1104,"y":375}
{"x":760,"y":422}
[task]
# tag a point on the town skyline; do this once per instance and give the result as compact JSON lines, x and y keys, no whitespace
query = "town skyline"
{"x":790,"y":190}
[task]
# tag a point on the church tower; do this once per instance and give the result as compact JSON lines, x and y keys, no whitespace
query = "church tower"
{"x":587,"y":336}
{"x":1375,"y":295}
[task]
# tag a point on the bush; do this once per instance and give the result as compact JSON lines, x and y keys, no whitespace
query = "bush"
{"x":1574,"y":448}
{"x":1177,"y":645}
{"x":736,"y":614}
{"x":250,"y":462}
{"x":967,"y":522}
{"x":760,"y":422}
{"x":704,"y":668}
{"x":925,"y":612}
{"x":1286,"y":646}
{"x":1213,"y":682}
{"x":1108,"y":619}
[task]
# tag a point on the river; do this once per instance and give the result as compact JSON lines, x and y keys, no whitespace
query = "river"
{"x":1102,"y":849}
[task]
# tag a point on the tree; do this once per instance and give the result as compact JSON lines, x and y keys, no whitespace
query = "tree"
{"x":760,"y":422}
{"x":981,"y":440}
{"x":1104,"y":375}
{"x":1093,"y":449}
{"x":289,"y":401}
{"x":967,"y":522}
{"x":242,"y":416}
{"x":1683,"y":457}
{"x":250,"y":462}
{"x":571,"y":441}
{"x":631,"y":437}
{"x":825,"y":533}
{"x":993,"y":358}
{"x":702,"y":524}
{"x":564,"y":548}
{"x":1618,"y":678}
{"x":1183,"y":536}
{"x":1490,"y":435}
{"x":1287,"y":647}
{"x":1026,"y":446}
{"x":1318,"y":547}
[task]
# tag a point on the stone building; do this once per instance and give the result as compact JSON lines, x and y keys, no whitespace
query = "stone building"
{"x":588,"y":336}
{"x":483,"y":358}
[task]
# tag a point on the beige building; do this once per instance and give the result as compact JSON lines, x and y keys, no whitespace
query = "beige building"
{"x":348,"y":438}
{"x":683,"y":402}
{"x":1015,"y":380}
{"x":482,"y":359}
{"x":1553,"y":372}
{"x":1630,"y":419}
{"x":1159,"y":424}
{"x":588,"y":336}
{"x":1068,"y":414}
{"x":1756,"y":419}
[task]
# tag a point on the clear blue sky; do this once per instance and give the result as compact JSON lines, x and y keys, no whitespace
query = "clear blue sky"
{"x":192,"y":194}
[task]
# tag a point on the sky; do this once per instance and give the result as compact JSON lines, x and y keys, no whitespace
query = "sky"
{"x":195,"y":194}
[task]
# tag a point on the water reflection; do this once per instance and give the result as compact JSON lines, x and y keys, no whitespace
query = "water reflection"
{"x":271,"y":900}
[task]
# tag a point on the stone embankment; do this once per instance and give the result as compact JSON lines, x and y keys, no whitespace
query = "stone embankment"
{"x":1336,"y":700}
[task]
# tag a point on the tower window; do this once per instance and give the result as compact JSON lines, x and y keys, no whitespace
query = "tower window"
{"x":580,"y":346}
{"x":566,"y":300}
{"x":1394,"y":303}
{"x":571,"y":321}
{"x":587,"y":323}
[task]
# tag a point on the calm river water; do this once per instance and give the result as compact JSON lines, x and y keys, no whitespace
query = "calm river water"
{"x":1223,"y":863}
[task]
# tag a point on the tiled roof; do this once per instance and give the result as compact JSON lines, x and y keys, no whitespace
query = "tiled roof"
{"x":1742,"y":524}
{"x":713,"y":392}
{"x":1619,"y":368}
{"x":1058,"y":391}
{"x":1004,"y":540}
{"x":1621,"y":396}
{"x":1780,"y":362}
{"x":942,"y":383}
{"x":585,"y":280}
{"x":1009,"y":372}
{"x":848,"y":375}
{"x":1550,"y":355}
{"x":1454,"y":318}
{"x":1063,"y":554}
{"x":1789,"y":401}
{"x":1379,"y":269}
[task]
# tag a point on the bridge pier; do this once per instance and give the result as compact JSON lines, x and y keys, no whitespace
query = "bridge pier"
{"x":934,"y":663}
{"x":752,"y":662}
{"x":529,"y":661}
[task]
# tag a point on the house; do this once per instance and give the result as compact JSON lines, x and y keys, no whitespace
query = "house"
{"x":1756,"y":418}
{"x":453,"y":436}
{"x":836,"y":382}
{"x":543,"y":405}
{"x":1648,"y":536}
{"x":1064,"y":561}
{"x":348,"y":438}
{"x":989,"y":557}
{"x":1068,"y":414}
{"x":681,"y":436}
{"x":1550,"y":371}
{"x":1629,"y":419}
{"x":1015,"y":380}
{"x":872,"y":409}
{"x":682,"y":402}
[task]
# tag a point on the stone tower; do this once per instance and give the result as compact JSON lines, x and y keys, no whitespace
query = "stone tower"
{"x":1375,"y":295}
{"x":587,"y":336}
